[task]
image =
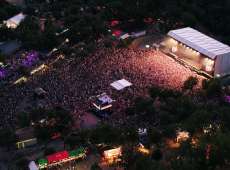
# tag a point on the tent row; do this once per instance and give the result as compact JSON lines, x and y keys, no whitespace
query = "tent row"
{"x":61,"y":157}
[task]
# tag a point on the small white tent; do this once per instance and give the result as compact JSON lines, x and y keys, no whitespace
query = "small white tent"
{"x":120,"y":84}
{"x":32,"y":166}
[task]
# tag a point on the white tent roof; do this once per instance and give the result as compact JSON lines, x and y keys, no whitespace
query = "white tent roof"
{"x":120,"y":84}
{"x":112,"y":151}
{"x":17,"y":18}
{"x":32,"y":166}
{"x":200,"y":42}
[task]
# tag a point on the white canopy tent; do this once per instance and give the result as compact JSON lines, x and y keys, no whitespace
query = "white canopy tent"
{"x":32,"y":166}
{"x":207,"y":46}
{"x":120,"y":84}
{"x":14,"y":21}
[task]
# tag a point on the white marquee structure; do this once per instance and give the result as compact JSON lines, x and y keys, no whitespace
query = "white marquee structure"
{"x":14,"y":21}
{"x":120,"y":84}
{"x":206,"y":46}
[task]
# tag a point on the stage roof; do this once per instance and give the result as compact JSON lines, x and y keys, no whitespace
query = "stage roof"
{"x":120,"y":84}
{"x":200,"y":42}
{"x":17,"y":18}
{"x":57,"y":156}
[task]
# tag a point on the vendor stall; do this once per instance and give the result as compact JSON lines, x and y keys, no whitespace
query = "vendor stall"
{"x":182,"y":136}
{"x":78,"y":153}
{"x":113,"y":153}
{"x":42,"y":162}
{"x":58,"y":156}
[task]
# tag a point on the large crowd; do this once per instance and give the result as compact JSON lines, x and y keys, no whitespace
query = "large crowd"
{"x":71,"y":87}
{"x":30,"y":59}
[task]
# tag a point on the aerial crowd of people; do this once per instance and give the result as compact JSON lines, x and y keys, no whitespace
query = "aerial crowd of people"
{"x":71,"y":87}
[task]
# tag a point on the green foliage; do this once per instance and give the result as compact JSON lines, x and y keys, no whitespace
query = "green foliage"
{"x":58,"y":122}
{"x":23,"y":163}
{"x":157,"y":155}
{"x":225,"y":118}
{"x":108,"y":43}
{"x":83,"y":135}
{"x":148,"y":144}
{"x":154,"y":91}
{"x":142,"y":104}
{"x":165,"y":93}
{"x":144,"y":162}
{"x":153,"y":135}
{"x":7,"y":137}
{"x":122,"y":44}
{"x":49,"y":151}
{"x":30,"y":10}
{"x":95,"y":135}
{"x":23,"y":120}
{"x":165,"y":118}
{"x":150,"y":111}
{"x":90,"y":48}
{"x":35,"y":115}
{"x":129,"y":111}
{"x":189,"y":19}
{"x":3,"y":15}
{"x":66,"y":50}
{"x":130,"y":133}
{"x":72,"y":141}
{"x":190,"y":83}
{"x":205,"y":84}
{"x":214,"y":88}
{"x":95,"y":166}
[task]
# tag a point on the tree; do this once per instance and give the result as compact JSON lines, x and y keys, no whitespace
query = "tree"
{"x":165,"y":93}
{"x":148,"y":144}
{"x":57,"y":15}
{"x":74,"y":9}
{"x":95,"y":135}
{"x":144,"y":162}
{"x":154,"y":91}
{"x":30,"y":10}
{"x":3,"y":15}
{"x":49,"y":151}
{"x":157,"y":155}
{"x":150,"y":111}
{"x":23,"y":120}
{"x":189,"y":19}
{"x":127,"y":158}
{"x":7,"y":137}
{"x":153,"y":134}
{"x":23,"y":163}
{"x":129,"y":111}
{"x":95,"y":166}
{"x":190,"y":83}
{"x":165,"y":118}
{"x":214,"y":88}
{"x":43,"y":131}
{"x":35,"y":115}
{"x":108,"y":43}
{"x":130,"y":133}
{"x":205,"y":84}
{"x":225,"y":118}
{"x":72,"y":141}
